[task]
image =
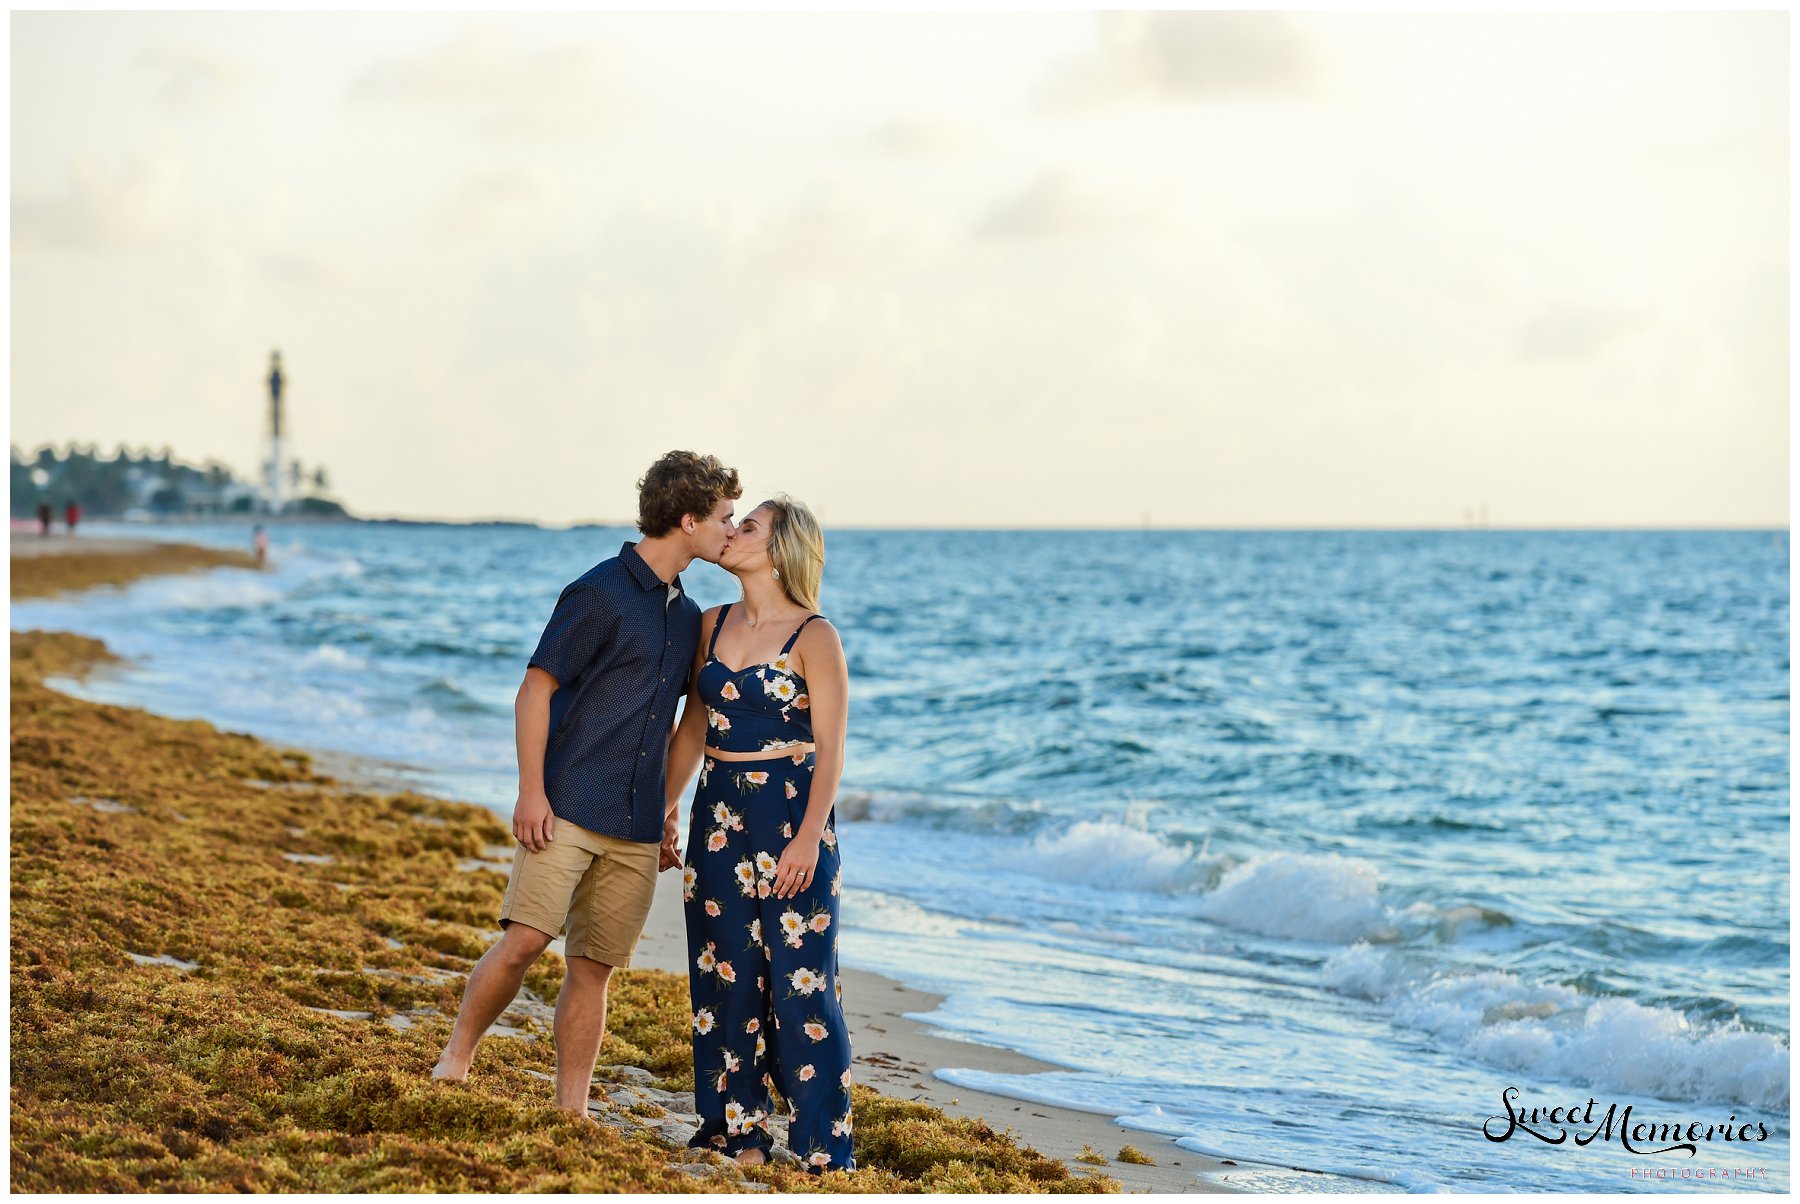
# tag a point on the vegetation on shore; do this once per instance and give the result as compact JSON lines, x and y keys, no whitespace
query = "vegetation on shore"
{"x":38,"y":576}
{"x":144,"y":483}
{"x":192,"y":908}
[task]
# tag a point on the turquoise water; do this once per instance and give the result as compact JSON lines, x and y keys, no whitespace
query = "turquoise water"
{"x":1300,"y":846}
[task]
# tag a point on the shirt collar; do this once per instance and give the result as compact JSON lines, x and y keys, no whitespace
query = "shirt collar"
{"x":643,"y":574}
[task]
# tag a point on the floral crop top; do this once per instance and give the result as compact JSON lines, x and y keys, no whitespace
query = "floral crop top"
{"x":758,"y":708}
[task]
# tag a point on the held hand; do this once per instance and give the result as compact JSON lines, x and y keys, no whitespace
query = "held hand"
{"x":532,"y":821}
{"x":671,"y":847}
{"x":794,"y":873}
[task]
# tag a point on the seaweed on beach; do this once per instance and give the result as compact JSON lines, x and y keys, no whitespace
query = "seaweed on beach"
{"x":233,"y":973}
{"x":39,"y":576}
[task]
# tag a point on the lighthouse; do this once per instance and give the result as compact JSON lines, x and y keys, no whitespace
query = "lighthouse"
{"x":272,"y":467}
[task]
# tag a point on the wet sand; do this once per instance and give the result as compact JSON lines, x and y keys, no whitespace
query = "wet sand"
{"x":897,"y":1056}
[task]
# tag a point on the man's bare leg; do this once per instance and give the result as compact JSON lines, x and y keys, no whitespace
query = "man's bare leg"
{"x":492,"y":986}
{"x":580,"y":1027}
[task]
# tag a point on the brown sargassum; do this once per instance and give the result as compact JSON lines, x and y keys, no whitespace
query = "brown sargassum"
{"x":190,"y":906}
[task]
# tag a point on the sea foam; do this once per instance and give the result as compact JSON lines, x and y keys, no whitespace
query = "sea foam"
{"x":1557,"y":1032}
{"x":1303,"y":896}
{"x":1114,"y":855}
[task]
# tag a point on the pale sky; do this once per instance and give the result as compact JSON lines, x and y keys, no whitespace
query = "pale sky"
{"x":1042,"y":269}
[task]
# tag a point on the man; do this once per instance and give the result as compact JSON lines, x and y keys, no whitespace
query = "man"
{"x":593,"y":720}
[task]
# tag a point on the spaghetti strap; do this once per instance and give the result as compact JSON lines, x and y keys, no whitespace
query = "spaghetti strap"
{"x":717,"y":624}
{"x":787,"y":647}
{"x":760,"y":706}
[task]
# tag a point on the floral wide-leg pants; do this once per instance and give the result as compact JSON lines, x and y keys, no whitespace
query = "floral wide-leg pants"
{"x":762,"y":971}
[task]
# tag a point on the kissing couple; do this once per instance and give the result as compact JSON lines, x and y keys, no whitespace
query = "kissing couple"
{"x":602,"y":767}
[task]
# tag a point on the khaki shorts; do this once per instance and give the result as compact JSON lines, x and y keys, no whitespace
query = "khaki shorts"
{"x":600,"y":884}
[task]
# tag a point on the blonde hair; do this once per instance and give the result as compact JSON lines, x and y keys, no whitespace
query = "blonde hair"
{"x":797,"y":549}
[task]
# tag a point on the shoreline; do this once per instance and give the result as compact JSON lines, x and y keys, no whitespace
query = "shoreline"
{"x":898,"y":1055}
{"x":895,"y":1054}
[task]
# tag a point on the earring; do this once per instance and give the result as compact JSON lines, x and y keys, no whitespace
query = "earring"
{"x":777,"y":574}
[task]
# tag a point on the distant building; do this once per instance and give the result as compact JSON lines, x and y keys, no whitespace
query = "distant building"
{"x":145,"y":487}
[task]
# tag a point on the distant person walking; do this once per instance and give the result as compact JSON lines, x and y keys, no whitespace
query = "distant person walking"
{"x":72,"y":515}
{"x":43,"y":518}
{"x":259,"y":543}
{"x":593,"y":721}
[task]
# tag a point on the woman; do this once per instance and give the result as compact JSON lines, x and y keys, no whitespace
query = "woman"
{"x":761,"y":877}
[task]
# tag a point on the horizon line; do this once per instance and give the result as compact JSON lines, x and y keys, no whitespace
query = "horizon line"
{"x":585,"y":524}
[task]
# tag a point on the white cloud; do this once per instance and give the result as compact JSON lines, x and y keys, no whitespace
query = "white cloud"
{"x":125,"y":208}
{"x":1570,"y":331}
{"x":919,"y":137}
{"x":516,"y":91}
{"x":1058,"y":204}
{"x":1190,"y":56}
{"x":190,"y":78}
{"x":314,"y":268}
{"x":827,"y":234}
{"x":500,"y":203}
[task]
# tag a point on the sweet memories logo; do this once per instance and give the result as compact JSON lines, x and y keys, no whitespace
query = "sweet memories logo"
{"x":1557,"y":1124}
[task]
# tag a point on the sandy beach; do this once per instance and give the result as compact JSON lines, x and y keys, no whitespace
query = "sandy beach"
{"x":895,"y":1054}
{"x":232,"y":970}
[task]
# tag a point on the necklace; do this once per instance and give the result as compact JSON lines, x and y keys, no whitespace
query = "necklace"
{"x":750,"y":622}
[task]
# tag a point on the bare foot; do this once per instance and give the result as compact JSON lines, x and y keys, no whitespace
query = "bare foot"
{"x":751,"y":1157}
{"x":449,"y":1072}
{"x":580,"y":1113}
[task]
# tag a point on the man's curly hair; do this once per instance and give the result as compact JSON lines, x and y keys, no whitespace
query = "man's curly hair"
{"x":682,"y":482}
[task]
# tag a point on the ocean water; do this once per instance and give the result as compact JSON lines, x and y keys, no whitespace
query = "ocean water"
{"x":1298,"y":846}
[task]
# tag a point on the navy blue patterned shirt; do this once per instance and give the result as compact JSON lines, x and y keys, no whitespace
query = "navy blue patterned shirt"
{"x":620,"y":644}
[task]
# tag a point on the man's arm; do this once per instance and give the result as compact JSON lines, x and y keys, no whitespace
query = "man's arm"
{"x":532,"y":821}
{"x":685,"y":743}
{"x":687,"y":740}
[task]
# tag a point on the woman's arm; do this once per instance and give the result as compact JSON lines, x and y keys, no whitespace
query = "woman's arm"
{"x":827,"y":676}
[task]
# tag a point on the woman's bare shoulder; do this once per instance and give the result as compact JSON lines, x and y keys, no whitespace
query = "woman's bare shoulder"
{"x":819,"y":636}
